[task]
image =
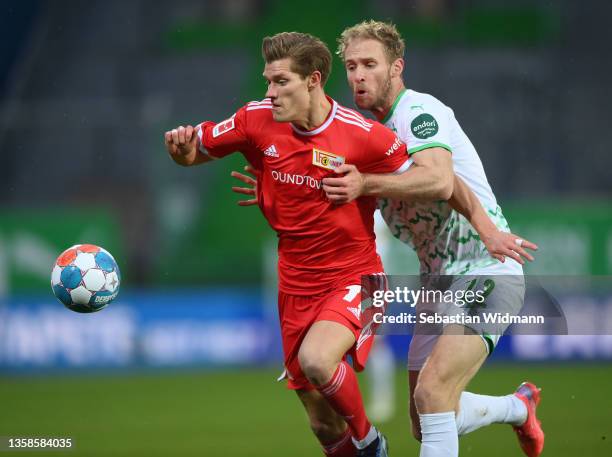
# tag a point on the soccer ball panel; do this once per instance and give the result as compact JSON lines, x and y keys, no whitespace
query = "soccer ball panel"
{"x":94,"y":280}
{"x":67,"y":257}
{"x":71,"y":277}
{"x":89,"y":248}
{"x":112,"y":281}
{"x":62,"y":294}
{"x":55,"y":275}
{"x":85,"y":261}
{"x":80,"y":295}
{"x":100,"y":299}
{"x":105,"y":261}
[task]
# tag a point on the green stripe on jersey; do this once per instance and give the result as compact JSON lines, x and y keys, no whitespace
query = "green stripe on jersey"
{"x":392,"y":110}
{"x":429,"y":145}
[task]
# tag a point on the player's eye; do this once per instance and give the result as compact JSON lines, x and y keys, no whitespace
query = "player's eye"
{"x":282,"y":82}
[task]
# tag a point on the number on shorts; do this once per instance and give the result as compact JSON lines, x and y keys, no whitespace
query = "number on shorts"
{"x":353,"y":291}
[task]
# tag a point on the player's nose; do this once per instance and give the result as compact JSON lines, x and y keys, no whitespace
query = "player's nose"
{"x":271,"y":92}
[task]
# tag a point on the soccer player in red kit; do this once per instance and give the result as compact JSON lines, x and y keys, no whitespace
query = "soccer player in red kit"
{"x":297,"y":136}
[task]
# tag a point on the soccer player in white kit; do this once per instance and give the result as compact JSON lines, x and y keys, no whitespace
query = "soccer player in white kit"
{"x":440,"y":366}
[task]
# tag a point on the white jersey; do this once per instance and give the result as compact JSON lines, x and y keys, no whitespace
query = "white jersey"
{"x":445,"y":242}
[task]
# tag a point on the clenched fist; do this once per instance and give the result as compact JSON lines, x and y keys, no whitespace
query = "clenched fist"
{"x":181,"y":144}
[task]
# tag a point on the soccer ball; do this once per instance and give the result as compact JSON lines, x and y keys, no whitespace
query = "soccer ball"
{"x":85,"y":278}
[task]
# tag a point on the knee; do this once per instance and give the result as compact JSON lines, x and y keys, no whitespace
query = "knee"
{"x":316,"y":366}
{"x":433,"y":393}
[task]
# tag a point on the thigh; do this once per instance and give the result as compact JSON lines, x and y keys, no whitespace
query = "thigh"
{"x":344,"y":307}
{"x":328,"y":340}
{"x":296,"y":315}
{"x":421,"y":345}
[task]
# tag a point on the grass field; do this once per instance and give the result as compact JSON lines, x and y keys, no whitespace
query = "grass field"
{"x":246,"y":413}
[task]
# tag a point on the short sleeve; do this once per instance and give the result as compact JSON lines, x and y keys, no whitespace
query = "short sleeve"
{"x":426,"y":124}
{"x":385,"y":153}
{"x":220,"y":139}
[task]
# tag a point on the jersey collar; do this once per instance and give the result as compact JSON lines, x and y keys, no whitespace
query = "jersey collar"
{"x":392,"y":110}
{"x":324,"y":125}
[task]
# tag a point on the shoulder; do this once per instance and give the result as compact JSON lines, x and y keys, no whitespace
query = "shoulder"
{"x":255,"y":114}
{"x":420,"y":115}
{"x":416,"y":102}
{"x":256,"y":105}
{"x":353,"y":119}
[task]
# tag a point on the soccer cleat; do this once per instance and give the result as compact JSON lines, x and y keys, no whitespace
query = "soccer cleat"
{"x":377,"y":448}
{"x":530,"y":434}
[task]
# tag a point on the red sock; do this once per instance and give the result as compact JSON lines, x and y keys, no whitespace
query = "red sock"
{"x":342,"y":393}
{"x":343,"y":447}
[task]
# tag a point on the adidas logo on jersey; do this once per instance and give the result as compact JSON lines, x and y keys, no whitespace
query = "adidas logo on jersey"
{"x":271,"y":151}
{"x":355,"y":310}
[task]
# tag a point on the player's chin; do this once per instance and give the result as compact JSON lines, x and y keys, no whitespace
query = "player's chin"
{"x":362,"y":102}
{"x":279,"y":117}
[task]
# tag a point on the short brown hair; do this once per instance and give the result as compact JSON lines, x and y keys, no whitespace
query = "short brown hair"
{"x":307,"y":53}
{"x":384,"y":32}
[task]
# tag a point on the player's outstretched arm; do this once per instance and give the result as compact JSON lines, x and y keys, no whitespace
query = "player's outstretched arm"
{"x":249,"y":181}
{"x":182,"y":145}
{"x":499,"y":244}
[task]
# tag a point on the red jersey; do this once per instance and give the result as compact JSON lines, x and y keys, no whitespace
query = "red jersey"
{"x":321,"y":245}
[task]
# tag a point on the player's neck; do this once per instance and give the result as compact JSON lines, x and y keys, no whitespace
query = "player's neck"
{"x":383,"y":111}
{"x":320,"y":107}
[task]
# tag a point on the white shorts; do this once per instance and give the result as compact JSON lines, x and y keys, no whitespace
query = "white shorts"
{"x":504,"y":294}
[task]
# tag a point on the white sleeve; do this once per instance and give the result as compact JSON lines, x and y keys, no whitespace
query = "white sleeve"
{"x":426,"y":124}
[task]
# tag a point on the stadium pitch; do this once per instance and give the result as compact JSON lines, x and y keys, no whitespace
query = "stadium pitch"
{"x":246,"y":413}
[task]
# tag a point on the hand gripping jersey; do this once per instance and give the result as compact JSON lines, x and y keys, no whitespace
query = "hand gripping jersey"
{"x":444,"y":240}
{"x":320,"y":244}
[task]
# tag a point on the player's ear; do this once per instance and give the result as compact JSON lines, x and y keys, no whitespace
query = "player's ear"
{"x":397,"y":67}
{"x":314,"y":79}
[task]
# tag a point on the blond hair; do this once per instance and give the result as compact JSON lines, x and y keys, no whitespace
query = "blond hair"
{"x":384,"y":32}
{"x":307,"y":53}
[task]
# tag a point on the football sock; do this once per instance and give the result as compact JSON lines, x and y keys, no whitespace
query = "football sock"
{"x":439,"y":435}
{"x":343,"y":447}
{"x":342,"y":393}
{"x":367,"y":440}
{"x":476,"y":411}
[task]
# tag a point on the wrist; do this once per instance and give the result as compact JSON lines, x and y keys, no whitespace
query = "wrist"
{"x":366,"y":185}
{"x":488,"y":233}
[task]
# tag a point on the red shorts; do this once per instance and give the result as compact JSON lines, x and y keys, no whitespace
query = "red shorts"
{"x":297,"y":313}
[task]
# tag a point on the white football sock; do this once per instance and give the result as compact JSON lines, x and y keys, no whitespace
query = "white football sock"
{"x":367,"y":440}
{"x":477,"y":411}
{"x":439,"y":432}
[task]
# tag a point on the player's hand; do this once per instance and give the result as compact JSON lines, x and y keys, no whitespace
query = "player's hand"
{"x":502,"y":244}
{"x":181,"y":144}
{"x":349,"y":186}
{"x":248,"y":180}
